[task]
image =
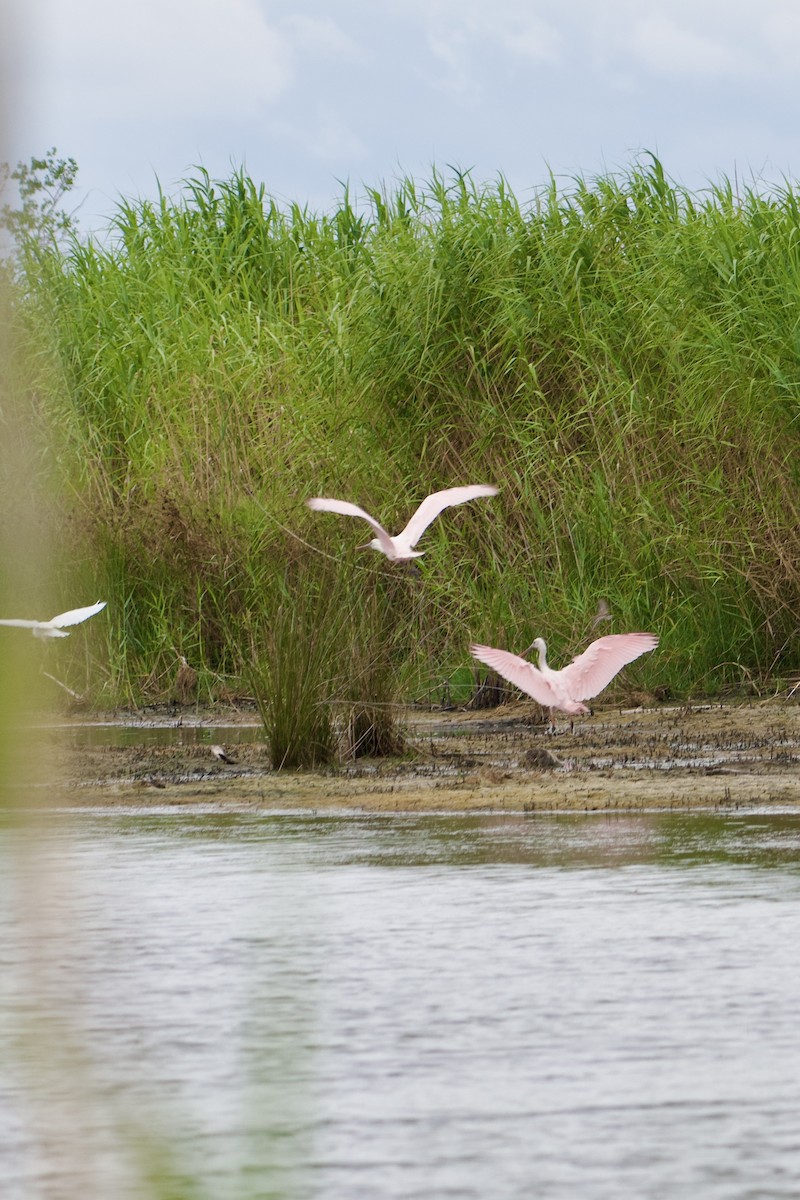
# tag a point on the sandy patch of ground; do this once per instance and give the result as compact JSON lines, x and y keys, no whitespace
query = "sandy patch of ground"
{"x":737,"y":754}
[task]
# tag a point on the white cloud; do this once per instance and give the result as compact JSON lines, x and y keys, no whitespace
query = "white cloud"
{"x":781,"y":29}
{"x":321,"y":37}
{"x":459,"y":32}
{"x":158,"y":58}
{"x":666,"y":47}
{"x":530,"y":38}
{"x":332,"y":141}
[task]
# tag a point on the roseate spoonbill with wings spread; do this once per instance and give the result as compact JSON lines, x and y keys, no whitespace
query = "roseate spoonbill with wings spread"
{"x":54,"y":627}
{"x":401,"y":547}
{"x":585,"y":676}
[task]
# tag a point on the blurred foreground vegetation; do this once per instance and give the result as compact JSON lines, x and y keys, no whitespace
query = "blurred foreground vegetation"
{"x":621,"y":357}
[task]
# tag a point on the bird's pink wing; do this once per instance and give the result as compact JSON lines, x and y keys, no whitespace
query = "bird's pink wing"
{"x":593,"y":670}
{"x":346,"y":509}
{"x":432,"y":505}
{"x":518,"y":671}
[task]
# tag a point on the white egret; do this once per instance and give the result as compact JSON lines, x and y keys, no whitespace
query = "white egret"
{"x":401,"y":547}
{"x":585,"y":676}
{"x":54,"y":627}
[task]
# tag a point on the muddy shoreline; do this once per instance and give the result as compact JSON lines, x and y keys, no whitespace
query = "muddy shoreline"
{"x":737,"y":754}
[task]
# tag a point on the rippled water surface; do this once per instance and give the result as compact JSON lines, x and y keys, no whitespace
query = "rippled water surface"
{"x":396,"y":1006}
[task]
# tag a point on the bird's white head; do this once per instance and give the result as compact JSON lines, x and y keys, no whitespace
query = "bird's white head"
{"x":374,"y":544}
{"x":540,"y":646}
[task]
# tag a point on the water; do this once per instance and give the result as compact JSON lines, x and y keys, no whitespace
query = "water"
{"x":163,"y":732}
{"x":388,"y":1006}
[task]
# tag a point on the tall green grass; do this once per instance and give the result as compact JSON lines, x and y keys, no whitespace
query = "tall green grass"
{"x":620,"y":356}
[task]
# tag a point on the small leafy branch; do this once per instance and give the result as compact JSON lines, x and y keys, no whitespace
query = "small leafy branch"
{"x":38,"y":220}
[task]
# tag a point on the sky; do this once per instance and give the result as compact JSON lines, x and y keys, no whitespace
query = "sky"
{"x":308,"y":96}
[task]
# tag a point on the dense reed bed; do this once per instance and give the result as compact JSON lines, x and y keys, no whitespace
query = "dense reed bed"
{"x":621,"y":357}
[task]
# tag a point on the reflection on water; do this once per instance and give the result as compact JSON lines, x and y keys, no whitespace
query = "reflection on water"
{"x":395,"y":1006}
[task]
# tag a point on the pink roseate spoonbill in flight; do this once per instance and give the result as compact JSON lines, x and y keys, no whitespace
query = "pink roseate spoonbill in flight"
{"x":586,"y":675}
{"x":401,"y":547}
{"x":54,"y":627}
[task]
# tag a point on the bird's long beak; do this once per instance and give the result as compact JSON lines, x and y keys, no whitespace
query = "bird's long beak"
{"x":365,"y":546}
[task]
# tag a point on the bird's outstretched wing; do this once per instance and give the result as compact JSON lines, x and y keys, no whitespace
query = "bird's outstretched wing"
{"x":518,"y":671}
{"x":432,"y":505}
{"x":76,"y":615}
{"x":346,"y":509}
{"x":593,"y":670}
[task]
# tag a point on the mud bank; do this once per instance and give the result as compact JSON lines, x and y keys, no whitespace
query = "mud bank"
{"x":711,"y":756}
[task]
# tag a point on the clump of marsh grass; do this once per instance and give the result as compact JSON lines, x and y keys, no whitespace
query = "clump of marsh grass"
{"x":377,"y":644}
{"x":324,"y":668}
{"x":295,"y":668}
{"x":371,"y":729}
